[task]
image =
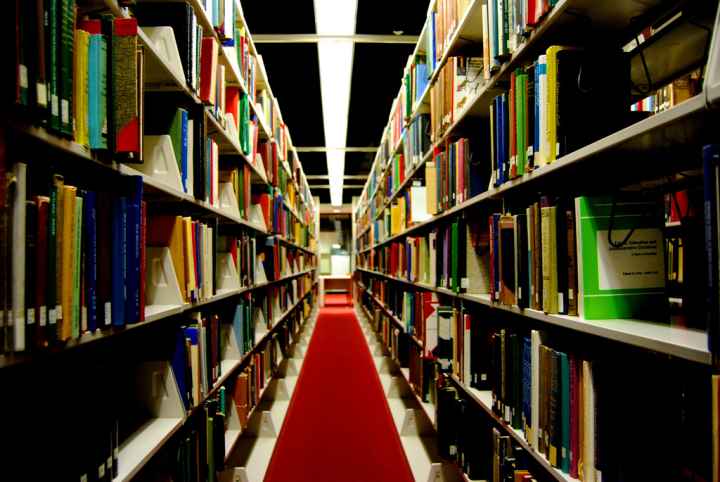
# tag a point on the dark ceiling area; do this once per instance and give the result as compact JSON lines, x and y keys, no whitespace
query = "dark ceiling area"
{"x":295,"y":79}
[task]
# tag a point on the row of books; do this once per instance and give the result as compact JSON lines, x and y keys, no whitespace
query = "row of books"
{"x":457,"y":81}
{"x":531,"y":259}
{"x":196,"y":361}
{"x":506,"y":25}
{"x":541,"y":117}
{"x":559,"y":397}
{"x":192,"y":247}
{"x":482,"y":452}
{"x":83,"y":79}
{"x":77,"y":262}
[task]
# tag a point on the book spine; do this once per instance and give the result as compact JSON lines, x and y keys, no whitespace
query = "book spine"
{"x":126,"y":122}
{"x":119,"y":251}
{"x":91,"y":244}
{"x":711,"y":183}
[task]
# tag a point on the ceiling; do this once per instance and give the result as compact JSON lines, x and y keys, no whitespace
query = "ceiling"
{"x":294,"y":75}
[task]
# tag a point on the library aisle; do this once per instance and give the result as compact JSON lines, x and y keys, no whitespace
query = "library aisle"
{"x":338,"y":398}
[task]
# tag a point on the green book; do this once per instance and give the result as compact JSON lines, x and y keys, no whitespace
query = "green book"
{"x":176,"y":135}
{"x":625,"y":279}
{"x":521,"y":80}
{"x":67,"y":42}
{"x":52,"y":30}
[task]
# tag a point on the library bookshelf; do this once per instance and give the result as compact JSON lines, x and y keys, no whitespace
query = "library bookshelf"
{"x":459,"y":151}
{"x":220,"y":332}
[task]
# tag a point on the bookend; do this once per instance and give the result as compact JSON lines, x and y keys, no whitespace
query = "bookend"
{"x":228,"y":278}
{"x":157,"y":391}
{"x":162,"y":41}
{"x":228,"y":200}
{"x":162,"y":291}
{"x":257,"y":218}
{"x":160,"y":162}
{"x":261,"y":326}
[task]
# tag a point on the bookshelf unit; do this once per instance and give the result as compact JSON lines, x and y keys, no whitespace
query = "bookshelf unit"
{"x":253,"y":254}
{"x":656,"y":150}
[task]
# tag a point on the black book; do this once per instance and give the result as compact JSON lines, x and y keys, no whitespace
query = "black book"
{"x":446,"y":422}
{"x":521,"y":259}
{"x":590,"y":79}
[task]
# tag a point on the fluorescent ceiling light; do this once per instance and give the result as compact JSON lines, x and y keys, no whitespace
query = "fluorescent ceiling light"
{"x":335,"y":17}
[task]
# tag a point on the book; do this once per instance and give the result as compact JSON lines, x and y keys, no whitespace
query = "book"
{"x":620,"y":258}
{"x":126,"y":90}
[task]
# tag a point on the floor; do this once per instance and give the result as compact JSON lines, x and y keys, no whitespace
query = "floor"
{"x":338,"y":426}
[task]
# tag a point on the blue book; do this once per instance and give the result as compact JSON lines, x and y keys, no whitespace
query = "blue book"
{"x":421,"y":80}
{"x":119,"y":251}
{"x":93,"y":85}
{"x":238,"y":327}
{"x":90,"y":229}
{"x":711,"y":182}
{"x":526,"y":382}
{"x":132,"y":267}
{"x":179,"y":365}
{"x":540,"y":69}
{"x":184,"y":153}
{"x":504,"y":124}
{"x":433,"y":46}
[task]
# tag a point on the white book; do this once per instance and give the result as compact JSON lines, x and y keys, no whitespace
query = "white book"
{"x":542,"y":93}
{"x":535,"y":342}
{"x":418,"y":203}
{"x":17,"y":315}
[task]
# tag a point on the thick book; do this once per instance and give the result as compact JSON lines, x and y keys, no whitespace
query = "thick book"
{"x":620,"y":258}
{"x":126,"y":90}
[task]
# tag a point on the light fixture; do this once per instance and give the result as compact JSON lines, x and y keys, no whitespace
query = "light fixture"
{"x":335,"y":17}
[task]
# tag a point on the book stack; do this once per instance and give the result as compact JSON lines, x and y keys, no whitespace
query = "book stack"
{"x":74,"y":270}
{"x":541,"y":119}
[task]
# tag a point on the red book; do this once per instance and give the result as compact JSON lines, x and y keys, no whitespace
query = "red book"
{"x":41,"y":246}
{"x":232,"y":104}
{"x":143,"y":257}
{"x":574,"y":421}
{"x":208,"y":69}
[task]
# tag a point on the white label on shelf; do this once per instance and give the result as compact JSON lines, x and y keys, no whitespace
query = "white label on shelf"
{"x":23,"y":76}
{"x":58,"y":311}
{"x":571,"y":294}
{"x":464,"y":283}
{"x":31,"y":316}
{"x":54,"y":108}
{"x":41,"y":91}
{"x":43,"y":316}
{"x":101,"y":471}
{"x":84,"y":478}
{"x":65,"y":111}
{"x":561,"y":302}
{"x":108,"y":313}
{"x":52,"y":316}
{"x":483,"y":377}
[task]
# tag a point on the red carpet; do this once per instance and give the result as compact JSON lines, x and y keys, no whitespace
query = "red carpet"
{"x":337,"y":299}
{"x":338,"y":426}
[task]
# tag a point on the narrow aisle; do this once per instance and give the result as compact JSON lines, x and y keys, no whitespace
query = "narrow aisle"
{"x":338,"y":426}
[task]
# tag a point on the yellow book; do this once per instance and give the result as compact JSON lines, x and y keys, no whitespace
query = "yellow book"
{"x":395,"y":219}
{"x":189,"y":259}
{"x":430,"y":187}
{"x":548,"y":231}
{"x":403,"y":214}
{"x":56,"y":313}
{"x":80,"y":87}
{"x":552,"y":102}
{"x":68,"y":257}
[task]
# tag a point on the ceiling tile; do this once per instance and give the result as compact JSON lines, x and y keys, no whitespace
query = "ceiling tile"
{"x":296,"y":16}
{"x":382,"y":17}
